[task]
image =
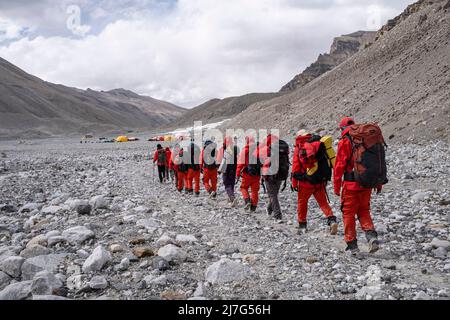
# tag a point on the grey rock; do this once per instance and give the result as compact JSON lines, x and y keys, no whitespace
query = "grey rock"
{"x":98,"y":283}
{"x":84,"y":209}
{"x":49,"y":262}
{"x":98,"y":202}
{"x":97,"y":260}
{"x":422,"y":296}
{"x":55,"y":240}
{"x":78,"y":235}
{"x":4,"y":280}
{"x":16,"y":291}
{"x":75,"y":282}
{"x":184,"y":238}
{"x":437,"y":243}
{"x":440,"y":253}
{"x":152,"y":280}
{"x":30,"y":207}
{"x":34,"y":251}
{"x":160,"y":263}
{"x":226,"y":270}
{"x":46,"y":283}
{"x":12,"y":266}
{"x":172,"y":253}
{"x":49,"y":298}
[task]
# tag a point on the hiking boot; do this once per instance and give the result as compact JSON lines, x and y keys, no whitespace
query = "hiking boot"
{"x":233,"y":202}
{"x":352,"y":247}
{"x":302,"y":228}
{"x":269,"y":210}
{"x":248,"y":204}
{"x":213,"y":195}
{"x":374,"y":245}
{"x":333,"y":225}
{"x":197,"y":194}
{"x":253,"y":208}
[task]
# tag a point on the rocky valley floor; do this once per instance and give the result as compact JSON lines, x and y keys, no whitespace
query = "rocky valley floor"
{"x":89,"y":221}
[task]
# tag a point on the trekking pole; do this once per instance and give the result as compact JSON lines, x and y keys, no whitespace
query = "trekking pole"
{"x":264,"y":186}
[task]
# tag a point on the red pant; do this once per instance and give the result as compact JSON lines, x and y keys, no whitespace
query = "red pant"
{"x":193,"y":177}
{"x":210,"y":179}
{"x":356,"y":203}
{"x":305,"y":193}
{"x":252,"y":183}
{"x":182,"y":178}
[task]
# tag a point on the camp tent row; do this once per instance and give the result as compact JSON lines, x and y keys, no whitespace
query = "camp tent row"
{"x":167,"y":138}
{"x":125,"y":139}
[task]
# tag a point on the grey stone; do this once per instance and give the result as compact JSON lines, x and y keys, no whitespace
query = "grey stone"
{"x":437,"y":243}
{"x":226,"y":270}
{"x":49,"y":262}
{"x":97,"y":260}
{"x":49,"y":298}
{"x":152,"y":280}
{"x":172,"y":253}
{"x":16,"y":291}
{"x":46,"y":283}
{"x":4,"y":280}
{"x":98,"y":283}
{"x":78,"y":235}
{"x":160,"y":263}
{"x":184,"y":238}
{"x":12,"y":266}
{"x":34,"y":251}
{"x":55,"y":240}
{"x":30,"y":207}
{"x":84,"y":209}
{"x":98,"y":202}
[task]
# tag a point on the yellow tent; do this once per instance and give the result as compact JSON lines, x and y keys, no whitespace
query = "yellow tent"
{"x":122,"y":139}
{"x":169,"y":138}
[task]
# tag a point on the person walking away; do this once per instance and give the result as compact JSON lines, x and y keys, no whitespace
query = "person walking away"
{"x":181,"y":169}
{"x":311,"y":170}
{"x":228,"y":159}
{"x":194,"y":169}
{"x":361,"y":164}
{"x":274,"y":156}
{"x":175,"y":152}
{"x":160,"y":159}
{"x":208,"y":166}
{"x":250,"y":169}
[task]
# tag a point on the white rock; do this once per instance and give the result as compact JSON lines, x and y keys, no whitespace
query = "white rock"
{"x":437,"y":243}
{"x":40,"y":240}
{"x":97,"y":260}
{"x":172,"y":253}
{"x":422,"y":296}
{"x":51,"y":209}
{"x":30,"y":207}
{"x":155,"y":281}
{"x":98,"y":202}
{"x":48,"y":297}
{"x":164,"y":239}
{"x":226,"y":270}
{"x":184,"y":238}
{"x":12,"y":266}
{"x":75,"y":282}
{"x":78,"y":235}
{"x":150,"y":224}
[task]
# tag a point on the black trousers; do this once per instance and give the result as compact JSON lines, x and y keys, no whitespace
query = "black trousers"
{"x":161,"y":173}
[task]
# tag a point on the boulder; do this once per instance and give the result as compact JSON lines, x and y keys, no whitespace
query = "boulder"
{"x":4,"y":280}
{"x":49,"y":262}
{"x":437,"y":243}
{"x":16,"y":291}
{"x":78,"y":235}
{"x":12,"y":266}
{"x":45,"y":283}
{"x":184,"y":238}
{"x":172,"y":253}
{"x":40,"y":240}
{"x":226,"y":270}
{"x":34,"y":251}
{"x":97,"y":260}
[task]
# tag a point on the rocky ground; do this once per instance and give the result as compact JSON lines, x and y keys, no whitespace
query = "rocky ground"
{"x":87,"y":221}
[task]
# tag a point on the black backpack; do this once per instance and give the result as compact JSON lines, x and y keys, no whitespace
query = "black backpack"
{"x":195,"y":156}
{"x":283,"y":164}
{"x":209,"y":157}
{"x":254,"y":169}
{"x":162,"y":158}
{"x":324,"y":171}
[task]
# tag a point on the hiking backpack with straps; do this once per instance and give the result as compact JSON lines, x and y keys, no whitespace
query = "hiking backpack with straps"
{"x":283,"y":160}
{"x":162,"y":157}
{"x":314,"y":151}
{"x":369,"y":155}
{"x":209,"y":156}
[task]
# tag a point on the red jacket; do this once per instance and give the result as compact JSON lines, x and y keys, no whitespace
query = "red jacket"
{"x":299,"y":164}
{"x":243,"y":159}
{"x":263,"y":152}
{"x":345,"y":164}
{"x":169,"y":158}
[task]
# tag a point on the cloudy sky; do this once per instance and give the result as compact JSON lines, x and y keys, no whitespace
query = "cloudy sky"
{"x":185,"y":51}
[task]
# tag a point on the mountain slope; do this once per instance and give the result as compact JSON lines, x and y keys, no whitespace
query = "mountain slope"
{"x":31,"y":107}
{"x":343,"y":47}
{"x":401,"y":81}
{"x":220,"y":109}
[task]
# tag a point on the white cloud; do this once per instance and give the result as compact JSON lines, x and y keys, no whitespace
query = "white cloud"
{"x":199,"y":50}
